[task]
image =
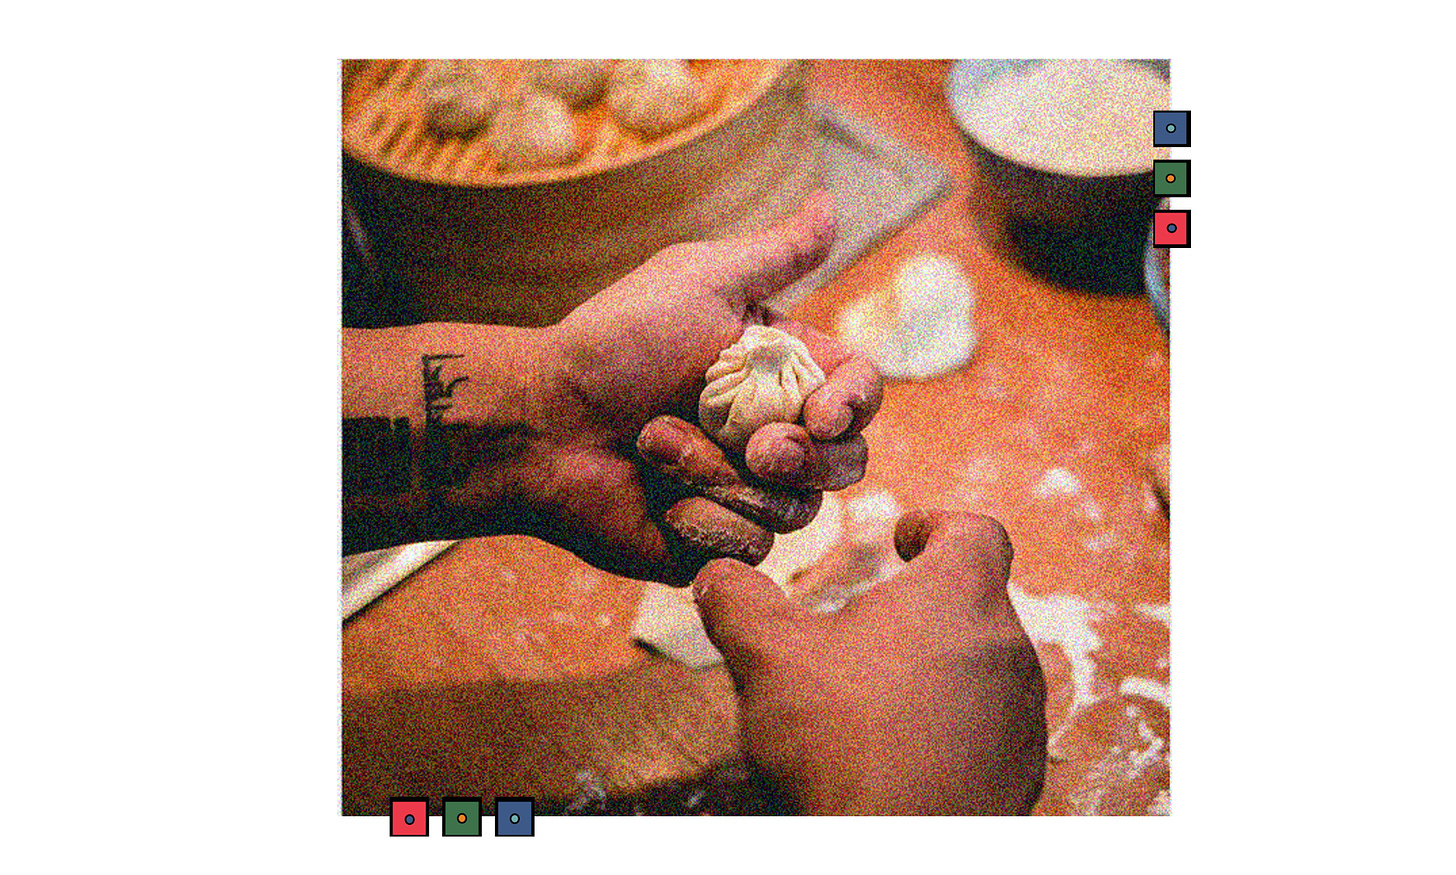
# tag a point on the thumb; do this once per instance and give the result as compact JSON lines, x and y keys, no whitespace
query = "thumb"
{"x":758,"y":267}
{"x":744,"y":612}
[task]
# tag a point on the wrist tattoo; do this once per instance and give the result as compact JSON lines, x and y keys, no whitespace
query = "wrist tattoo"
{"x":437,"y":467}
{"x":376,"y":456}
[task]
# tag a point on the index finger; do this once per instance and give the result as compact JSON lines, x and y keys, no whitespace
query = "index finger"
{"x":959,"y":564}
{"x":747,"y":270}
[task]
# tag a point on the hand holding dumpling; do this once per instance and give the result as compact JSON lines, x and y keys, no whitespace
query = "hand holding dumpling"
{"x":582,"y":433}
{"x":634,"y":358}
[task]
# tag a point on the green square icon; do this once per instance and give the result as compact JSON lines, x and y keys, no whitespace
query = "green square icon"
{"x":461,"y":816}
{"x":1170,"y":178}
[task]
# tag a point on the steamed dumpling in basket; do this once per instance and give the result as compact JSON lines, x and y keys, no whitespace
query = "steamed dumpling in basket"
{"x":533,"y":129}
{"x":655,"y":97}
{"x":579,"y":82}
{"x":460,"y":96}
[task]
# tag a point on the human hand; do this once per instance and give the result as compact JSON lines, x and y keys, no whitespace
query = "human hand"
{"x":622,"y":476}
{"x":922,"y":696}
{"x":581,"y":434}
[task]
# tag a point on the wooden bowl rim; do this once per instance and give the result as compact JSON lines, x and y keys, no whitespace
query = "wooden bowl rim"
{"x":775,"y":70}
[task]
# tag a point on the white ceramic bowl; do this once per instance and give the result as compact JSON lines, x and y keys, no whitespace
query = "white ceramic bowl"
{"x":1079,"y":230}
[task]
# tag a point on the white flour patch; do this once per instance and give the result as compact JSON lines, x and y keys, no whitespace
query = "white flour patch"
{"x":1157,"y":612}
{"x":1119,"y":766}
{"x":1162,"y":662}
{"x":581,"y":581}
{"x":969,"y":490}
{"x":1100,"y":543}
{"x":1058,"y":481}
{"x":889,"y":567}
{"x":1066,"y":621}
{"x":872,"y":516}
{"x":832,"y":599}
{"x":1162,"y":804}
{"x":1090,"y":510}
{"x":590,"y":794}
{"x":604,"y":620}
{"x":1151,"y":507}
{"x":1146,"y":688}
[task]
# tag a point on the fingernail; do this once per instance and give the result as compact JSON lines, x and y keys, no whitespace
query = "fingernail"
{"x":843,"y":416}
{"x":699,"y":585}
{"x":790,"y":459}
{"x":656,"y":441}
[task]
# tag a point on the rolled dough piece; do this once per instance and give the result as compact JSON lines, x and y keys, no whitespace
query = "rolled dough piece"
{"x":920,"y":325}
{"x":762,"y":378}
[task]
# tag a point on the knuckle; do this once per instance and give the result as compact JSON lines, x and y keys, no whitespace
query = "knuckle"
{"x":757,"y":550}
{"x":982,"y":533}
{"x":786,"y":254}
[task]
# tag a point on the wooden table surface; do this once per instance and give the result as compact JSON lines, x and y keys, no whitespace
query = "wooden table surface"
{"x":504,"y":668}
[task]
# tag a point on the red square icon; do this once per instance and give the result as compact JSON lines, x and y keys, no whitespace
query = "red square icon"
{"x":409,"y":816}
{"x":1170,"y":228}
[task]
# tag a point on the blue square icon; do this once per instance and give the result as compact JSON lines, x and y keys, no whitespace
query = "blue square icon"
{"x":1170,"y":128}
{"x":514,"y":816}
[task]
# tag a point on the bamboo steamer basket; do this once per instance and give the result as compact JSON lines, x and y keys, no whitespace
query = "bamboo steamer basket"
{"x":526,"y":248}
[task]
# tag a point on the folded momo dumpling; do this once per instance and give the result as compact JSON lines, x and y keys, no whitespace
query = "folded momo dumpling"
{"x":459,"y":96}
{"x":762,"y":378}
{"x":578,"y":81}
{"x":533,"y":130}
{"x":654,"y":97}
